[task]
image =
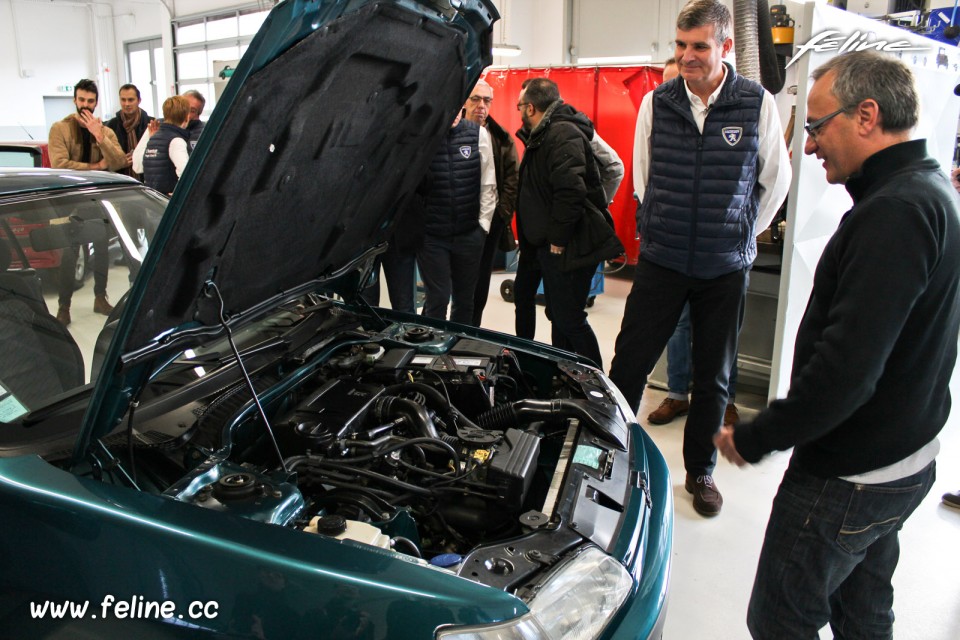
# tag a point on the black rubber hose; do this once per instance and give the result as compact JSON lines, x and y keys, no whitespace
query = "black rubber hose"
{"x":400,"y":541}
{"x":387,"y":407}
{"x":772,"y":72}
{"x":523,"y":411}
{"x":438,"y":398}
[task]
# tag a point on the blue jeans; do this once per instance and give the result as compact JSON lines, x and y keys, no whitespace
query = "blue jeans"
{"x":829,"y":554}
{"x":678,"y":362}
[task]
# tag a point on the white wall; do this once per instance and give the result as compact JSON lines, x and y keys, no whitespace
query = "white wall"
{"x":45,"y":46}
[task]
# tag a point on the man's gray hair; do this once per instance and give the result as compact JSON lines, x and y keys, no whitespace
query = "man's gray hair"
{"x":702,"y":13}
{"x":869,"y":74}
{"x":193,"y":93}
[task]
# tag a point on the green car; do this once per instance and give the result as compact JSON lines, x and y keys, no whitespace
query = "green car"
{"x":243,"y":448}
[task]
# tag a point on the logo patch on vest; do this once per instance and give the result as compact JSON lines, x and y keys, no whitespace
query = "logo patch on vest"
{"x":732,"y":135}
{"x":465,"y":151}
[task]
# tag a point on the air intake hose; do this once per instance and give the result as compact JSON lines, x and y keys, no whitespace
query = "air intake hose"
{"x":524,"y":411}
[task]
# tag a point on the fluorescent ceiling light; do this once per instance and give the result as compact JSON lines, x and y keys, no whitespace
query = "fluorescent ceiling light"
{"x":615,"y":60}
{"x":507,"y":50}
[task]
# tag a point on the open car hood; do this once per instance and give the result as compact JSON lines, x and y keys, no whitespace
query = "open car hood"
{"x":323,"y":133}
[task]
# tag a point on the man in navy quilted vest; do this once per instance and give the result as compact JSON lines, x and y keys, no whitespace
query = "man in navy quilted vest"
{"x":710,"y":169}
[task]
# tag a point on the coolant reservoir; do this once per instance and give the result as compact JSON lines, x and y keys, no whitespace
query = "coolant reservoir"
{"x":343,"y":529}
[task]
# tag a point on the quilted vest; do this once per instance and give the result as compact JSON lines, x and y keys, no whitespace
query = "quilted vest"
{"x":158,"y":169}
{"x":699,"y":212}
{"x":453,"y":203}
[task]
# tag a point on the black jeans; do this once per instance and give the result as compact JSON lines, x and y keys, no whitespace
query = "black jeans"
{"x":525,"y":285}
{"x":68,"y":265}
{"x":566,"y":295}
{"x":482,"y":289}
{"x":650,"y":316}
{"x":449,"y":268}
{"x":400,"y":271}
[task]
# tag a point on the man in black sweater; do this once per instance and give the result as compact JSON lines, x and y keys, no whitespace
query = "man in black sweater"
{"x":874,"y":355}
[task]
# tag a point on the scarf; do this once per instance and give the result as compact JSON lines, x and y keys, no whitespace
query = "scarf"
{"x":130,"y":124}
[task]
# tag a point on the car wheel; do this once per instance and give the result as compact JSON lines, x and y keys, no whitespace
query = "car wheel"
{"x":80,"y":271}
{"x":506,"y":290}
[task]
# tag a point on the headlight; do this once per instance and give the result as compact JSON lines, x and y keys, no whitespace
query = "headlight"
{"x":574,"y":604}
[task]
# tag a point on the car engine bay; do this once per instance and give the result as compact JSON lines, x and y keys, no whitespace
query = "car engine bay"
{"x":477,"y":458}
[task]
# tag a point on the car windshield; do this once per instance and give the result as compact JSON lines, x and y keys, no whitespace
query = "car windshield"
{"x":67,"y":262}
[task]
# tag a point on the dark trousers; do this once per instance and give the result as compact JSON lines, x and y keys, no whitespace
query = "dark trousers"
{"x":400,"y":271}
{"x":566,"y":295}
{"x":650,"y":316}
{"x":482,"y":290}
{"x":829,"y":554}
{"x":449,"y":268}
{"x":525,"y":285}
{"x":68,"y":264}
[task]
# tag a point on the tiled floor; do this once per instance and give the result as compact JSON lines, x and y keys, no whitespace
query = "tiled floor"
{"x":714,"y":560}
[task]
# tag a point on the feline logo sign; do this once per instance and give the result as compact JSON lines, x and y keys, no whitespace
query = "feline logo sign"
{"x":465,"y":151}
{"x":826,"y":41}
{"x":732,"y":135}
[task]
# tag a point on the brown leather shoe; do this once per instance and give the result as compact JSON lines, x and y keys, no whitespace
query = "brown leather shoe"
{"x":707,"y":500}
{"x":730,"y":415}
{"x":668,"y":410}
{"x":101,"y":306}
{"x":63,"y":315}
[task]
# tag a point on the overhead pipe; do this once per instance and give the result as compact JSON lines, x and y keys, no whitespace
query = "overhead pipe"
{"x":753,"y":43}
{"x":745,"y":40}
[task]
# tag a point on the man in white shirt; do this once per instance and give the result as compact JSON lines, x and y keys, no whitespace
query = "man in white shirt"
{"x":711,"y":170}
{"x":459,"y":205}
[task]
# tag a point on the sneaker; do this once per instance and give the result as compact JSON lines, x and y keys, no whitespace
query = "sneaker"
{"x":668,"y":410}
{"x":101,"y":306}
{"x":63,"y":315}
{"x":952,"y":499}
{"x":707,"y":500}
{"x":730,"y":415}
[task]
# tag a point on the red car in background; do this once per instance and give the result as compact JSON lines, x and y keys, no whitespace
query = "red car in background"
{"x":35,"y":154}
{"x":24,"y":154}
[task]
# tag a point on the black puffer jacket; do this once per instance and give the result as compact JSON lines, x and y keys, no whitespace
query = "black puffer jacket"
{"x":557,"y":175}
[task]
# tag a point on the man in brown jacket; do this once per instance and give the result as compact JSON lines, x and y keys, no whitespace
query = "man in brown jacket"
{"x":81,"y":141}
{"x":505,"y":162}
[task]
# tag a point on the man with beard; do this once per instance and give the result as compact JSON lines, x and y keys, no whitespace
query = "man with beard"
{"x":505,"y":164}
{"x":559,"y":179}
{"x":81,"y":141}
{"x":129,"y":124}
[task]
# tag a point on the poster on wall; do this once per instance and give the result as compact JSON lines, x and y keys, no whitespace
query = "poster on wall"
{"x":222,"y":72}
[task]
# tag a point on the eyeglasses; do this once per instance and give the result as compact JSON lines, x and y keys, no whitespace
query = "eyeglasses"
{"x":487,"y":100}
{"x":521,"y":105}
{"x":813,"y":128}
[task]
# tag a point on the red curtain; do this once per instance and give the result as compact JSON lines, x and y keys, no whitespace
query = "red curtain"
{"x":610,"y":96}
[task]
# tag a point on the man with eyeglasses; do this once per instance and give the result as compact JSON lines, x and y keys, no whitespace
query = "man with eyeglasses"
{"x":710,"y":169}
{"x":871,"y":369}
{"x":505,"y":162}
